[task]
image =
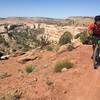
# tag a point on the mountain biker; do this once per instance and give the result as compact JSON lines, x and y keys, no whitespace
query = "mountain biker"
{"x":94,"y":30}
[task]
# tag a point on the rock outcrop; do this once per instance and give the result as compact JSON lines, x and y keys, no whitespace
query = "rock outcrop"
{"x":20,"y":32}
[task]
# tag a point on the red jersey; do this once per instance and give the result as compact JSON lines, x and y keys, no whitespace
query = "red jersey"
{"x":91,"y":27}
{"x":95,"y":28}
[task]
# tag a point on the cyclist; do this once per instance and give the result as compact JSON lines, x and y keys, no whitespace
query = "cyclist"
{"x":94,"y":30}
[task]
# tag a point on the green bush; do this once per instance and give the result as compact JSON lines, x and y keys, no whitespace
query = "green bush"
{"x":23,"y":39}
{"x":49,"y":48}
{"x":65,"y":38}
{"x":20,"y":37}
{"x":25,"y":48}
{"x":83,"y":37}
{"x":64,"y":64}
{"x":77,"y":36}
{"x":30,"y":68}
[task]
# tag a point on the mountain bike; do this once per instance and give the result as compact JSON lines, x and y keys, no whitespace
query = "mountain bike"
{"x":96,"y":54}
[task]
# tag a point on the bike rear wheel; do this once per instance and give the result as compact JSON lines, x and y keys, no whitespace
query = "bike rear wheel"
{"x":96,"y":57}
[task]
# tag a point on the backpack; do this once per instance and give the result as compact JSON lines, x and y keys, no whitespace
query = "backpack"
{"x":96,"y":29}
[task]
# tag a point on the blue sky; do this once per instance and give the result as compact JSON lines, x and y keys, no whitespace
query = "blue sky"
{"x":49,"y":8}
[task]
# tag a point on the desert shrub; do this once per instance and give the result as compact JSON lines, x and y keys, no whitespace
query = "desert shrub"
{"x":14,"y":50}
{"x":83,"y":36}
{"x":49,"y":48}
{"x":56,"y":48}
{"x":77,"y":36}
{"x":20,"y":37}
{"x":70,"y":47}
{"x":49,"y":82}
{"x":3,"y":41}
{"x":30,"y":68}
{"x":65,"y":38}
{"x":43,"y":41}
{"x":4,"y":75}
{"x":25,"y":48}
{"x":22,"y":40}
{"x":14,"y":94}
{"x":6,"y":44}
{"x":63,"y":64}
{"x":25,"y":39}
{"x":20,"y":70}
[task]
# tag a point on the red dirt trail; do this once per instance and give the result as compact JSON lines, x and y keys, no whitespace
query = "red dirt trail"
{"x":82,"y":82}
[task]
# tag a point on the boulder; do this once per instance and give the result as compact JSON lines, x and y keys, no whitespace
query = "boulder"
{"x":4,"y":57}
{"x":18,"y":53}
{"x":29,"y":56}
{"x":64,"y":70}
{"x":26,"y":59}
{"x":62,"y":49}
{"x":3,"y":28}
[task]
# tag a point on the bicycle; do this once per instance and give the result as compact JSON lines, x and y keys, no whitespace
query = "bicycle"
{"x":96,"y":54}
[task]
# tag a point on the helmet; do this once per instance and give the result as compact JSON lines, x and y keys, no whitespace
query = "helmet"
{"x":97,"y":18}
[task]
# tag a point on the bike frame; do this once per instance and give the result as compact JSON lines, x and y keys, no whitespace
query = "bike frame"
{"x":96,"y":52}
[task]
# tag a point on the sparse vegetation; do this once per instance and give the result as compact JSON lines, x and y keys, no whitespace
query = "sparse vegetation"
{"x":43,"y":41}
{"x":77,"y":36}
{"x":11,"y":95}
{"x":56,"y":48}
{"x":70,"y":47}
{"x":63,"y":64}
{"x":30,"y":68}
{"x":3,"y":41}
{"x":4,"y":75}
{"x":49,"y":48}
{"x":26,"y":39}
{"x":20,"y":70}
{"x":65,"y":38}
{"x":49,"y":82}
{"x":30,"y":74}
{"x":22,"y":40}
{"x":83,"y":36}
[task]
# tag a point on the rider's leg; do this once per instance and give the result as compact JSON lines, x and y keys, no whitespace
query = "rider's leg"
{"x":93,"y":47}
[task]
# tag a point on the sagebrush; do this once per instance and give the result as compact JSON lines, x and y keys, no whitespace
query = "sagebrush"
{"x":62,"y":64}
{"x":65,"y":38}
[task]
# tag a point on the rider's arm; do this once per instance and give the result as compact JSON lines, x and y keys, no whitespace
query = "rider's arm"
{"x":90,"y":29}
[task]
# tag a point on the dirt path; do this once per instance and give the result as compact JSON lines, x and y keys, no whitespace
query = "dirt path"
{"x":87,"y":86}
{"x":79,"y":83}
